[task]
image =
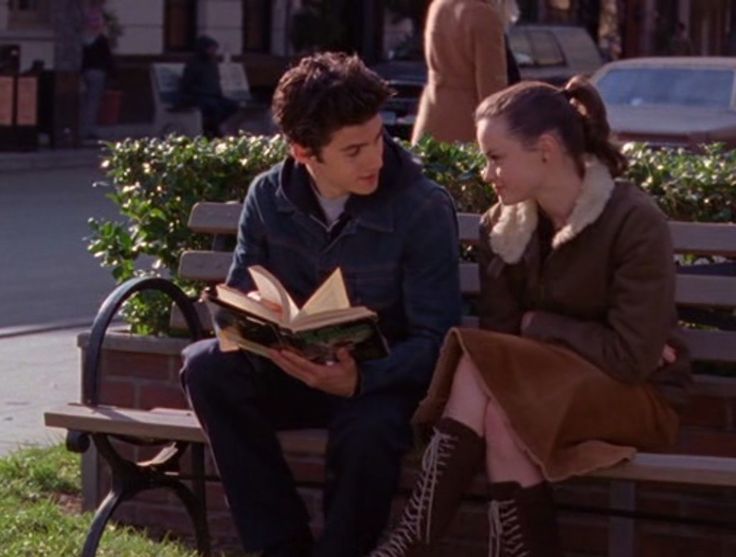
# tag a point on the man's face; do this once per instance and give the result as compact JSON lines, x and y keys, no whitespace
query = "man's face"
{"x":350,"y":162}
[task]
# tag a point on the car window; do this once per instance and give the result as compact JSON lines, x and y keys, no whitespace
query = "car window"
{"x":668,"y":86}
{"x":545,"y":50}
{"x":535,"y":48}
{"x":521,"y":48}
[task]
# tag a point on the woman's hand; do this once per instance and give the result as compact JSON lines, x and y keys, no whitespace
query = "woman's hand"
{"x":669,"y":356}
{"x":526,"y":320}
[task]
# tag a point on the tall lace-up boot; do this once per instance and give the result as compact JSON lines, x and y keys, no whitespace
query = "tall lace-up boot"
{"x":449,"y":463}
{"x":522,"y":521}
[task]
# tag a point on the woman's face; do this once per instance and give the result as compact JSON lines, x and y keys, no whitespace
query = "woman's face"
{"x":516,"y":171}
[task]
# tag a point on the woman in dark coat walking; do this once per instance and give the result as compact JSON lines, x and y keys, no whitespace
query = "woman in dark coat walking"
{"x":579,"y":362}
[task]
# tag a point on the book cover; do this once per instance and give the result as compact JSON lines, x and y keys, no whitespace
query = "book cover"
{"x":317,"y":331}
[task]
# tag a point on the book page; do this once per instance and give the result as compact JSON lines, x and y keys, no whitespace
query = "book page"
{"x":271,"y":289}
{"x":305,"y":321}
{"x":331,"y":296}
{"x":239,"y":299}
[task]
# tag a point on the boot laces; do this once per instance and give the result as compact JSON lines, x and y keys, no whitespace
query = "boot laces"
{"x":420,"y":505}
{"x":505,"y":530}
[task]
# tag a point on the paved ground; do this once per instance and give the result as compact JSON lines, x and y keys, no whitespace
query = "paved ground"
{"x":49,"y":285}
{"x":38,"y":371}
{"x":46,"y":273}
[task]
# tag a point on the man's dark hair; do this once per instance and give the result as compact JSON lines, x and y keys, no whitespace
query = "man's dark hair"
{"x":323,"y":93}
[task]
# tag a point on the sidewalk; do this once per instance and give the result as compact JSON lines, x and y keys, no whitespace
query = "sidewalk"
{"x":89,"y":154}
{"x":40,"y":371}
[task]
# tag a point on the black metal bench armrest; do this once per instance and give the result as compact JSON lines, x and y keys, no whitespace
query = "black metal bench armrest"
{"x":108,"y":310}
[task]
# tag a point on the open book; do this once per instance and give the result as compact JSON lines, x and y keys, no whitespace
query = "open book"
{"x":325,"y":323}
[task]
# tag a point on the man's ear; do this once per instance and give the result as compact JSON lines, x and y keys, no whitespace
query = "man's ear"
{"x":302,"y":154}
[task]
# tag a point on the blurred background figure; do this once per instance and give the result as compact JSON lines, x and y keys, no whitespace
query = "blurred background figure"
{"x":510,"y":13}
{"x":200,"y":87}
{"x":97,"y":66}
{"x":466,"y":59}
{"x":680,"y":44}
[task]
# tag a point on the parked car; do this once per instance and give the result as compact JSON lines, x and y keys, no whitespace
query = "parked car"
{"x":682,"y":101}
{"x":551,"y":53}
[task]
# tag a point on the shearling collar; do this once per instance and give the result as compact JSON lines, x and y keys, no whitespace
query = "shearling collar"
{"x":514,"y":228}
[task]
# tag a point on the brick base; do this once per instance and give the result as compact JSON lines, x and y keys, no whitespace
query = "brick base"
{"x":145,"y":375}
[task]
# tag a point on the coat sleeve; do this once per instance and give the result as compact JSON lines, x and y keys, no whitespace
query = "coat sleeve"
{"x":499,"y":308}
{"x":628,"y":343}
{"x":488,"y":50}
{"x":432,"y":304}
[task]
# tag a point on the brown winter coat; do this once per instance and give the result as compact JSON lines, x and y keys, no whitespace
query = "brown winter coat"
{"x":582,"y":386}
{"x":466,"y":61}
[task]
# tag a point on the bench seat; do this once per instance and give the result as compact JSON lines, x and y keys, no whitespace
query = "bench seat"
{"x":182,"y":425}
{"x":711,"y":293}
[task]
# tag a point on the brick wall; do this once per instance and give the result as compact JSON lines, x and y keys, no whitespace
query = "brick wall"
{"x":143,"y":373}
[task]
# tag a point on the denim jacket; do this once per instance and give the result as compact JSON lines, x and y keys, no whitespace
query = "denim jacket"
{"x":398,"y":250}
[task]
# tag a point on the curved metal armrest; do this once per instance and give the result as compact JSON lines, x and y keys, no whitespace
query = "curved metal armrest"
{"x":109,"y":309}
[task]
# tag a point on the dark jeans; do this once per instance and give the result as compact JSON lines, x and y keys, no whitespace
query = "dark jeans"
{"x":242,"y":400}
{"x":215,"y":110}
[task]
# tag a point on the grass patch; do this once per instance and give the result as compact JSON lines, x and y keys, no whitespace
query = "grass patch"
{"x":39,"y":488}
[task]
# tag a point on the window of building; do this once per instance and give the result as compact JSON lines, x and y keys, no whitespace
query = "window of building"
{"x":180,"y":25}
{"x":257,"y":25}
{"x":28,"y":14}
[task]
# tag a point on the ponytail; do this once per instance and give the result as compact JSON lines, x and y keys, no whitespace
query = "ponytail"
{"x":575,"y":113}
{"x":584,"y":98}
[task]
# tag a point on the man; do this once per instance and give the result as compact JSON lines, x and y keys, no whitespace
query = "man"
{"x":200,"y":87}
{"x":347,"y":197}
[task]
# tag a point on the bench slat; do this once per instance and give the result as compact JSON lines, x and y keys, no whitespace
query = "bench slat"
{"x":711,"y":346}
{"x":176,"y":426}
{"x":705,"y":345}
{"x":182,"y":425}
{"x":698,"y":238}
{"x":168,"y":424}
{"x":668,"y":468}
{"x":704,"y":238}
{"x":215,"y":218}
{"x":692,"y":290}
{"x":208,"y":266}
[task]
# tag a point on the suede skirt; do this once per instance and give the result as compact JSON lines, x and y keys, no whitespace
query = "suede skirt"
{"x":565,"y":413}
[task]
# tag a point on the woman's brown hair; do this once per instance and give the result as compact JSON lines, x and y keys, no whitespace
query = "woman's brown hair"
{"x":575,"y":113}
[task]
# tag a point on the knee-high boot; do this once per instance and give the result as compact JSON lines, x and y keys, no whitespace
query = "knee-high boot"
{"x":523,"y":522}
{"x":450,"y":462}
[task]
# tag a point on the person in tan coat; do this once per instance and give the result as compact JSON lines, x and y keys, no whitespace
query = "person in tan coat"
{"x":578,"y":362}
{"x":466,"y":61}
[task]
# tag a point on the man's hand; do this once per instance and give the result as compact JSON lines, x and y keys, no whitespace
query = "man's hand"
{"x":340,"y":378}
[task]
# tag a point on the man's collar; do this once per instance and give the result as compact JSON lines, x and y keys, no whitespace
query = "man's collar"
{"x":372,"y":211}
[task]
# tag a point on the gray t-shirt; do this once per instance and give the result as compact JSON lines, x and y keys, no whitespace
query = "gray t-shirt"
{"x":332,"y":207}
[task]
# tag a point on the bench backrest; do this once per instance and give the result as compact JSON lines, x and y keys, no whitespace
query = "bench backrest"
{"x":693,"y":290}
{"x":166,"y":77}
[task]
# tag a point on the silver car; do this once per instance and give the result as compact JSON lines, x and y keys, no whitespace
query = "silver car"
{"x":682,"y":102}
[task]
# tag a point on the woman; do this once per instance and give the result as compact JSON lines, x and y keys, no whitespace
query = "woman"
{"x":579,"y":363}
{"x":466,"y":61}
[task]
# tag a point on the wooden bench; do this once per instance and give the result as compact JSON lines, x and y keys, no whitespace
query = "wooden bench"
{"x":171,"y":118}
{"x":178,"y":429}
